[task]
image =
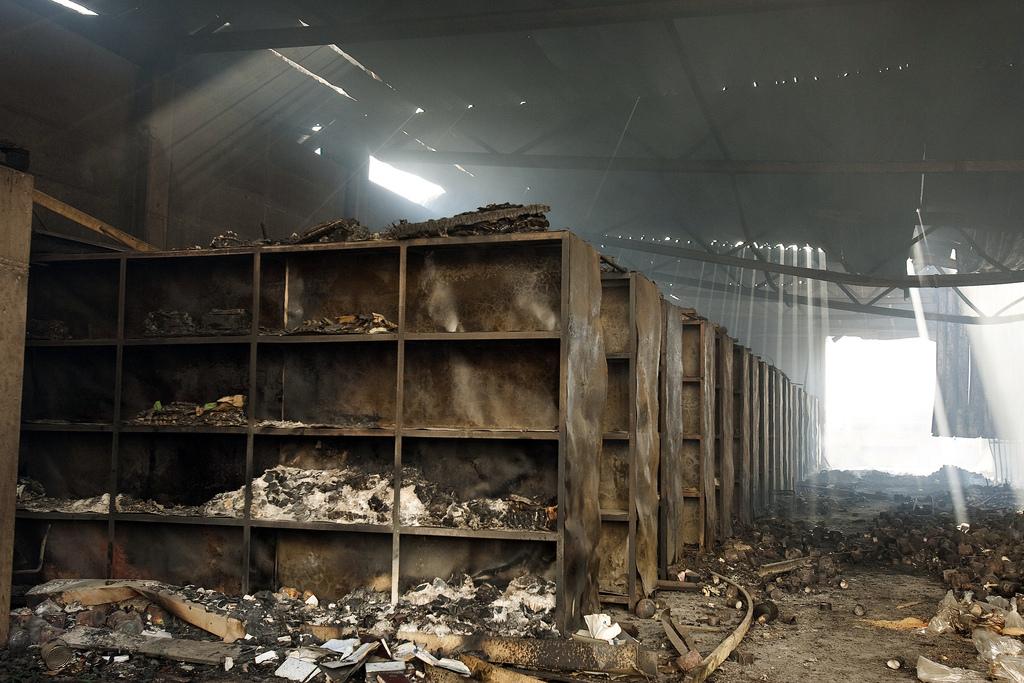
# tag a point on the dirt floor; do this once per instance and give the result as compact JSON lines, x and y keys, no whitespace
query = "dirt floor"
{"x":826,"y":641}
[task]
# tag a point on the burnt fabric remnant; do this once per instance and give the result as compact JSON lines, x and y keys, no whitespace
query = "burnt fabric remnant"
{"x":350,"y":323}
{"x":217,"y":321}
{"x":47,"y":329}
{"x":350,"y":495}
{"x":226,"y":411}
{"x":31,"y":496}
{"x":493,"y":219}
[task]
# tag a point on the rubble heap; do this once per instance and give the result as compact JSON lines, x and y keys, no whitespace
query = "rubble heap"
{"x":30,"y":495}
{"x":493,"y":219}
{"x":215,"y":322}
{"x":227,"y":411}
{"x":353,"y":496}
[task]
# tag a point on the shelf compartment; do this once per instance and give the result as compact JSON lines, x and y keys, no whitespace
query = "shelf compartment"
{"x":180,"y":475}
{"x":196,"y":287}
{"x":190,"y":374}
{"x":207,"y":555}
{"x":495,"y":560}
{"x":484,"y":288}
{"x":615,"y":317}
{"x":337,"y":480}
{"x":74,"y":300}
{"x":616,"y":407}
{"x":330,"y":564}
{"x":74,"y":548}
{"x":472,"y":385}
{"x":73,"y":470}
{"x":321,"y":385}
{"x":73,"y":384}
{"x":295,"y":287}
{"x":463,"y":485}
{"x":614,"y":488}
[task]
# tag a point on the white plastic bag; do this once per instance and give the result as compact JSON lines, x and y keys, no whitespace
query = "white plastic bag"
{"x":1008,"y":668}
{"x":942,"y":622}
{"x":933,"y":672}
{"x":991,"y":645}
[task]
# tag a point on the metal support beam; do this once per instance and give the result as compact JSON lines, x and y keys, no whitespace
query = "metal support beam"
{"x":711,"y":166}
{"x":907,"y":282}
{"x":489,"y":22}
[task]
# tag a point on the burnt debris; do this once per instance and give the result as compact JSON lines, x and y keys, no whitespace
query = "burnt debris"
{"x":226,"y":411}
{"x":216,"y":322}
{"x":347,"y":323}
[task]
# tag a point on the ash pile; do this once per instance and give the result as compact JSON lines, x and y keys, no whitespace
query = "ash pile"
{"x":227,"y":411}
{"x":31,"y":496}
{"x":213,"y":323}
{"x":130,"y":504}
{"x":145,"y":630}
{"x":355,"y":496}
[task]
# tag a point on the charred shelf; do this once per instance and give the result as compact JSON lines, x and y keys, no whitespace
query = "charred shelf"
{"x":182,"y":429}
{"x":619,"y":356}
{"x":614,"y":516}
{"x":320,"y":526}
{"x":69,"y":516}
{"x":66,"y":427}
{"x":482,"y":336}
{"x":616,"y":436}
{"x":69,"y":342}
{"x":175,"y":341}
{"x":324,"y":431}
{"x":325,"y":338}
{"x":455,"y":433}
{"x":501,"y":534}
{"x":150,"y":518}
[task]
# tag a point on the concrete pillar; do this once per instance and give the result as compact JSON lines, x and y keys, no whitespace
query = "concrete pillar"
{"x":15,"y":236}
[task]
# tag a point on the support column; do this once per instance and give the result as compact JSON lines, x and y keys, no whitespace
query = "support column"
{"x":15,"y":238}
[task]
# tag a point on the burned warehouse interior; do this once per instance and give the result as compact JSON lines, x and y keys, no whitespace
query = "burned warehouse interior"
{"x":580,"y":340}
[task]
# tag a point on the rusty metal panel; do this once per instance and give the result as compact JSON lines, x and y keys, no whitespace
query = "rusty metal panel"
{"x":585,"y":383}
{"x":708,"y":391}
{"x":670,"y":406}
{"x":647,"y":446}
{"x":724,"y":460}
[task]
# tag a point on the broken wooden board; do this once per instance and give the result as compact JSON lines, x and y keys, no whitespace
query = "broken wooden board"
{"x":725,"y":648}
{"x":488,"y":673}
{"x":90,"y":592}
{"x":193,"y":651}
{"x":570,"y":655}
{"x":783,"y":567}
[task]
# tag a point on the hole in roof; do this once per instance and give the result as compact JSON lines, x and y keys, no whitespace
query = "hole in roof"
{"x":408,"y":185}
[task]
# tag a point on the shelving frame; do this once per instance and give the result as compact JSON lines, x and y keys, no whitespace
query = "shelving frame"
{"x":631,"y":320}
{"x":725,"y":461}
{"x":578,"y":394}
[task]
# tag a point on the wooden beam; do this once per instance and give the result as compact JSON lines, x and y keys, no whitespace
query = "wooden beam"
{"x":15,"y":240}
{"x":710,"y":166}
{"x":489,"y":22}
{"x":906,"y":282}
{"x":86,"y":221}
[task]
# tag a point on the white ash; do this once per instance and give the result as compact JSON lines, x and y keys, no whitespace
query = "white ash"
{"x":212,"y":508}
{"x":329,"y":495}
{"x":31,"y":496}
